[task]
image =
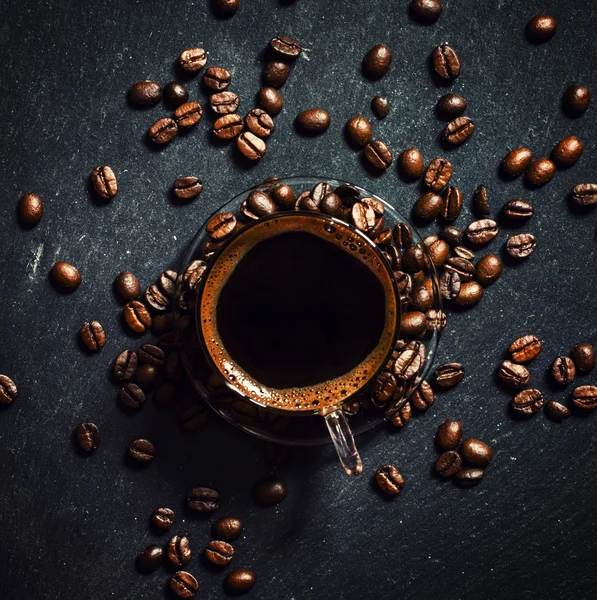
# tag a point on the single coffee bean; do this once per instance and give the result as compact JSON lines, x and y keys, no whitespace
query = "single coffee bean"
{"x":451,"y":106}
{"x":285,"y":47}
{"x":476,"y":452}
{"x":413,"y":324}
{"x":480,"y":204}
{"x":229,"y":126}
{"x":436,"y":320}
{"x":451,"y":203}
{"x":257,"y":205}
{"x":187,"y":188}
{"x":217,"y":79}
{"x":163,"y":131}
{"x":567,"y":152}
{"x":224,"y":103}
{"x":183,"y":584}
{"x":313,"y":121}
{"x":518,"y":210}
{"x":525,"y":348}
{"x":155,"y":299}
{"x":481,"y":232}
{"x":428,"y":206}
{"x":179,"y":551}
{"x":410,"y":163}
{"x":283,"y":195}
{"x":188,"y":114}
{"x":127,"y":286}
{"x":259,"y":123}
{"x":146,"y":376}
{"x":137,"y":316}
{"x":426,"y":11}
{"x":439,"y":252}
{"x":585,"y":194}
{"x":358,"y":131}
{"x":269,"y":492}
{"x":452,"y":235}
{"x":65,"y":276}
{"x":30,"y":210}
{"x":556,"y":411}
{"x":239,"y":581}
{"x":270,"y":101}
{"x":585,"y":396}
{"x":142,"y":450}
{"x":584,"y":357}
{"x":459,"y":130}
{"x":151,"y":355}
{"x":438,"y":174}
{"x":363,"y":216}
{"x":413,"y":259}
{"x":403,"y":235}
{"x":378,"y":155}
{"x":275,"y":74}
{"x":150,"y":559}
{"x":226,"y":8}
{"x":517,"y":161}
{"x":402,"y":416}
{"x":163,"y":518}
{"x":514,"y":375}
{"x":541,"y":28}
{"x":449,"y":285}
{"x":470,"y":294}
{"x":390,"y":480}
{"x":250,"y":146}
{"x":227,"y":528}
{"x":448,"y":375}
{"x":463,"y":252}
{"x":469,"y":477}
{"x":380,"y":107}
{"x":192,"y":59}
{"x":145,"y":93}
{"x":125,"y":365}
{"x":87,"y":433}
{"x":540,"y":172}
{"x":219,"y":553}
{"x":446,"y":63}
{"x":176,"y":93}
{"x":488,"y":269}
{"x":8,"y":390}
{"x":521,"y":245}
{"x":377,"y":61}
{"x":423,"y":397}
{"x":448,"y":463}
{"x":528,"y":402}
{"x":421,"y":300}
{"x":203,"y":500}
{"x":164,"y":323}
{"x":167,"y":282}
{"x":331,"y":205}
{"x":93,"y":336}
{"x":563,"y":370}
{"x":132,"y":395}
{"x":576,"y":100}
{"x":449,"y":434}
{"x":220,"y":226}
{"x":462,"y":266}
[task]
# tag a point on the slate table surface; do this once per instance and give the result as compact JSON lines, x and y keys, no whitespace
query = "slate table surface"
{"x":70,"y":527}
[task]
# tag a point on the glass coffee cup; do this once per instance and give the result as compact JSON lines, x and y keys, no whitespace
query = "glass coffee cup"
{"x":289,"y":307}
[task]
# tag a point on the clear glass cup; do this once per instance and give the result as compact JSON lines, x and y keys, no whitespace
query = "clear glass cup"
{"x":356,"y":413}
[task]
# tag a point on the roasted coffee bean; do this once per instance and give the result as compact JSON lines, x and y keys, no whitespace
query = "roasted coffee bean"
{"x":87,"y":433}
{"x":476,"y":452}
{"x":224,"y":103}
{"x":488,"y":269}
{"x":448,"y":463}
{"x":403,"y":235}
{"x":378,"y":155}
{"x":585,"y":396}
{"x":463,"y":252}
{"x":220,"y":226}
{"x":451,"y":203}
{"x":413,"y":324}
{"x":448,"y":375}
{"x":313,"y":121}
{"x":563,"y":370}
{"x":203,"y":500}
{"x":402,"y":416}
{"x":250,"y":146}
{"x":436,"y":319}
{"x":426,"y":11}
{"x":151,"y":355}
{"x":380,"y":107}
{"x":421,"y":300}
{"x":227,"y":528}
{"x":469,"y":477}
{"x":150,"y":559}
{"x":567,"y":152}
{"x":125,"y":365}
{"x":556,"y":411}
{"x":521,"y":245}
{"x":452,"y":235}
{"x":259,"y":123}
{"x":514,"y":375}
{"x":127,"y":286}
{"x":285,"y":47}
{"x":283,"y":196}
{"x":439,"y":252}
{"x":480,"y":204}
{"x":93,"y":336}
{"x":142,"y":450}
{"x":192,"y":59}
{"x":377,"y":61}
{"x":390,"y":480}
{"x":541,"y":28}
{"x":305,"y":202}
{"x":331,"y":205}
{"x":451,"y":105}
{"x":193,"y":418}
{"x":449,"y":285}
{"x":208,"y":249}
{"x":576,"y":100}
{"x":585,"y":194}
{"x":517,"y":161}
{"x":217,"y":79}
{"x":167,"y":282}
{"x":175,"y":93}
{"x":155,"y":299}
{"x":163,"y":131}
{"x":393,"y":256}
{"x":179,"y":551}
{"x":470,"y":294}
{"x":449,"y":434}
{"x":518,"y":210}
{"x":446,"y":63}
{"x":428,"y":206}
{"x":261,"y":204}
{"x":269,"y":492}
{"x":188,"y":114}
{"x":410,"y":164}
{"x":187,"y":188}
{"x":413,"y":259}
{"x":528,"y":402}
{"x":65,"y":276}
{"x":226,"y":8}
{"x":358,"y":131}
{"x":145,"y":93}
{"x":481,"y":232}
{"x":146,"y":376}
{"x":462,"y":266}
{"x":319,"y":191}
{"x":239,"y":581}
{"x":584,"y":357}
{"x":423,"y":397}
{"x":525,"y":348}
{"x":275,"y":74}
{"x":30,"y":210}
{"x":540,"y":172}
{"x":183,"y":584}
{"x":270,"y":101}
{"x":8,"y":390}
{"x":229,"y":126}
{"x":219,"y":553}
{"x":137,"y":316}
{"x":104,"y":182}
{"x":163,"y":518}
{"x":459,"y":130}
{"x":438,"y":174}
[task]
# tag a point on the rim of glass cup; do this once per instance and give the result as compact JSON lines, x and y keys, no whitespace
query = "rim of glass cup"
{"x":433,"y":340}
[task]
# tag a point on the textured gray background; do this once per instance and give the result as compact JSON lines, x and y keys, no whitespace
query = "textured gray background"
{"x":71,"y":527}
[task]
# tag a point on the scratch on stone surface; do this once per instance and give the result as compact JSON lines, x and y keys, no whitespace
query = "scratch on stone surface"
{"x":82,"y":237}
{"x":305,"y":54}
{"x":57,"y":253}
{"x":36,"y":260}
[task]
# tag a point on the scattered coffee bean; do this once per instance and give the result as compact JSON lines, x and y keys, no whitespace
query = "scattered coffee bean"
{"x":446,"y":63}
{"x":358,"y":131}
{"x":451,"y":203}
{"x":220,"y":226}
{"x":188,"y":187}
{"x":469,"y":477}
{"x":556,"y":411}
{"x":217,"y":79}
{"x":517,"y":161}
{"x":377,"y":61}
{"x":380,"y":107}
{"x":270,"y":101}
{"x":452,"y":235}
{"x":259,"y":123}
{"x":448,"y":375}
{"x":151,"y":355}
{"x":127,"y":286}
{"x":525,"y":348}
{"x":585,"y":396}
{"x":563,"y":370}
{"x":481,"y":232}
{"x":30,"y":210}
{"x":528,"y":402}
{"x":137,"y":316}
{"x":426,"y":11}
{"x":188,"y":114}
{"x":421,"y":300}
{"x":438,"y":174}
{"x":125,"y":365}
{"x":567,"y":152}
{"x":275,"y":74}
{"x":145,"y":93}
{"x":585,"y":194}
{"x":285,"y":47}
{"x":449,"y":434}
{"x":313,"y":121}
{"x":413,"y":259}
{"x":448,"y":463}
{"x":403,"y":235}
{"x":462,"y":266}
{"x":239,"y":581}
{"x":146,"y":376}
{"x":163,"y":131}
{"x":436,"y":320}
{"x":203,"y":500}
{"x":155,"y":299}
{"x":8,"y":390}
{"x":514,"y":375}
{"x":176,"y":93}
{"x":476,"y":452}
{"x":390,"y":480}
{"x":577,"y":99}
{"x":87,"y":433}
{"x":150,"y":559}
{"x":410,"y":163}
{"x":439,"y":251}
{"x":192,"y":59}
{"x":423,"y":397}
{"x":142,"y":450}
{"x":521,"y":245}
{"x":93,"y":336}
{"x":451,"y":105}
{"x":449,"y":285}
{"x":428,"y":206}
{"x":66,"y":277}
{"x":219,"y":553}
{"x":470,"y":294}
{"x":378,"y":155}
{"x":459,"y":130}
{"x":518,"y":210}
{"x":183,"y":584}
{"x":467,"y":254}
{"x":402,"y":416}
{"x":179,"y":551}
{"x":269,"y":492}
{"x":163,"y":518}
{"x":540,"y":172}
{"x":227,"y":528}
{"x":331,"y":205}
{"x":488,"y":269}
{"x":541,"y":28}
{"x":132,"y":396}
{"x":251,"y":146}
{"x":224,"y":103}
{"x":104,"y":182}
{"x":228,"y":127}
{"x":584,"y":357}
{"x":413,"y":324}
{"x":167,"y":282}
{"x":480,"y":204}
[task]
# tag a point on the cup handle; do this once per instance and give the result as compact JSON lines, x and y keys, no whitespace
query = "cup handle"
{"x":343,"y":439}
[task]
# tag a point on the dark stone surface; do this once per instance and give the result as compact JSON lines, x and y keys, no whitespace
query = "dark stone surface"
{"x":72,"y":526}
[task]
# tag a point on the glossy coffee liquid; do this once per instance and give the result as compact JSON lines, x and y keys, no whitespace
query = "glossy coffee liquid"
{"x":297,"y":312}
